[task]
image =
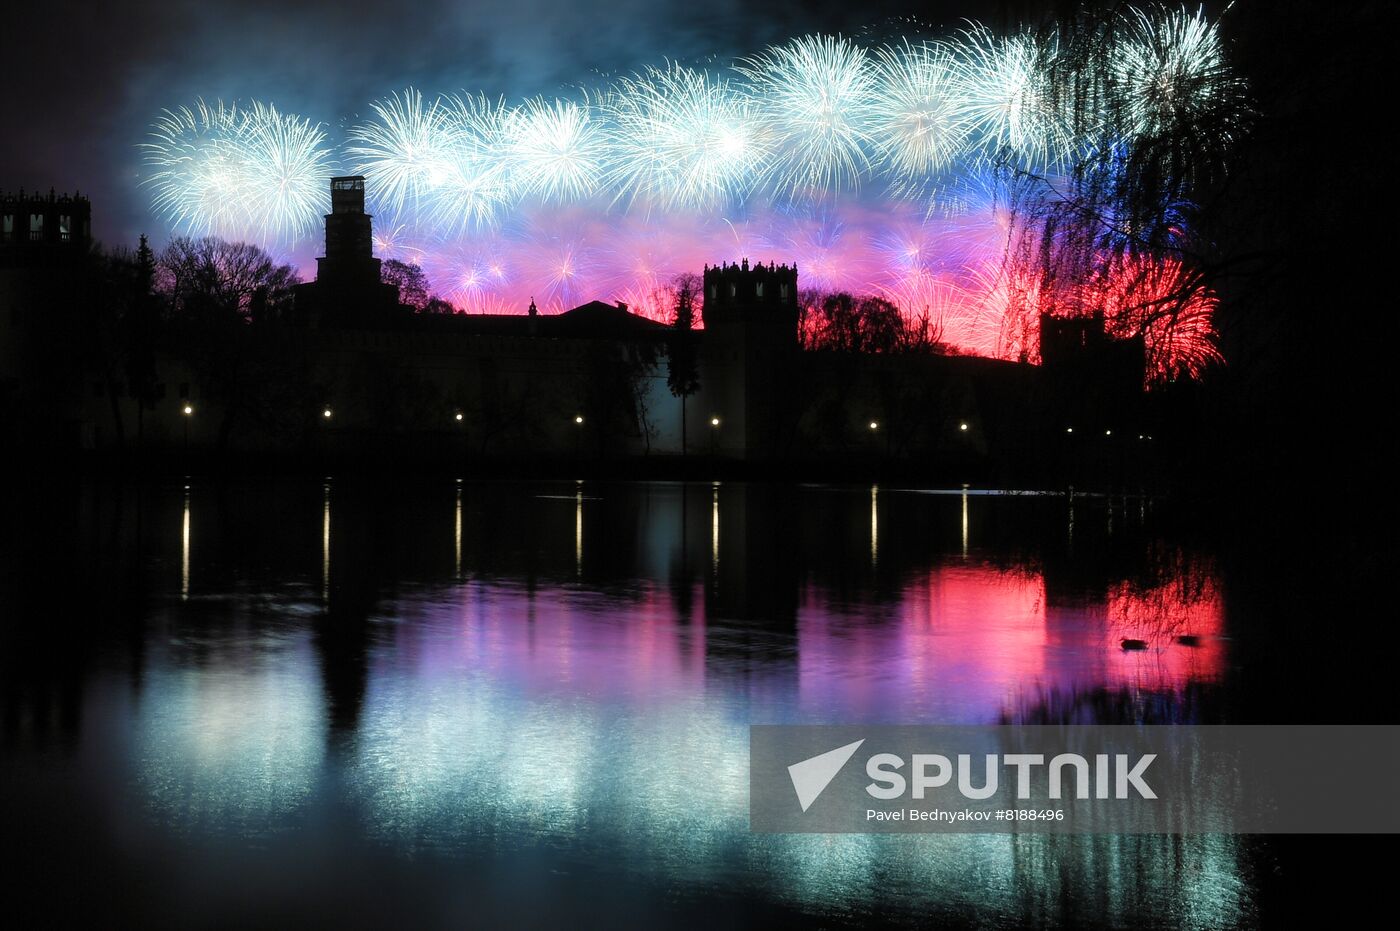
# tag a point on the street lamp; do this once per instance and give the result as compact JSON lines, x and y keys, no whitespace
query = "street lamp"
{"x":578,"y":419}
{"x":458,"y":417}
{"x":188,"y":410}
{"x":963,"y":426}
{"x":874,"y":424}
{"x":714,"y":431}
{"x":326,"y":413}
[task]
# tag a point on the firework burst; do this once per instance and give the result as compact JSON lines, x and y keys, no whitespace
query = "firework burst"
{"x":1009,"y":99}
{"x":1171,"y":70}
{"x":405,"y":151}
{"x":919,"y":120}
{"x":555,"y":150}
{"x":922,"y":171}
{"x":684,"y":140}
{"x":1160,"y":301}
{"x":817,"y":95}
{"x":253,"y":173}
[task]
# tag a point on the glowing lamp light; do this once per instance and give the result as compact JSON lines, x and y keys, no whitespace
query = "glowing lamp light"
{"x":578,"y":419}
{"x":714,"y":421}
{"x":874,"y":424}
{"x":1108,"y":433}
{"x":188,"y":410}
{"x":963,"y":426}
{"x":326,"y":413}
{"x":458,"y":417}
{"x":1069,"y":429}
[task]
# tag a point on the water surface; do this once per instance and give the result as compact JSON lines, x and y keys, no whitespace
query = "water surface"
{"x":529,"y":701}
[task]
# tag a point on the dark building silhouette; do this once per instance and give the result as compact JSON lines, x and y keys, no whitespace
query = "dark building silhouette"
{"x":750,"y":348}
{"x":1093,"y":380}
{"x":348,"y":370}
{"x":594,"y":320}
{"x":349,"y":234}
{"x":46,"y":315}
{"x":35,"y":228}
{"x":348,"y":290}
{"x":1078,"y":342}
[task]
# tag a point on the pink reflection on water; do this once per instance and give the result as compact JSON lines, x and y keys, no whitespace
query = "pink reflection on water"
{"x":557,"y":642}
{"x":962,"y":639}
{"x":962,"y":642}
{"x":1183,"y":629}
{"x":967,"y":641}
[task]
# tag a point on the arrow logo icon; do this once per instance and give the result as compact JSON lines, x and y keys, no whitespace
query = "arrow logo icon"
{"x":811,"y":776}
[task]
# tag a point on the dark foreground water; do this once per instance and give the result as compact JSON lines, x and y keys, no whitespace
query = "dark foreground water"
{"x":528,"y":703}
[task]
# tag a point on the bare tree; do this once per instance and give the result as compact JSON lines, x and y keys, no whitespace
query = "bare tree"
{"x":415,"y":290}
{"x":840,"y":322}
{"x":215,"y":291}
{"x":682,"y":353}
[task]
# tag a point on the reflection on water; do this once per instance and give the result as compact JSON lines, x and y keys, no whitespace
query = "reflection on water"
{"x":964,"y":523}
{"x":326,"y":542}
{"x":482,"y":674}
{"x":185,"y":547}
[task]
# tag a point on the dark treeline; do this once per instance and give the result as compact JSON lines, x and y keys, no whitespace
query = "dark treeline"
{"x":415,"y":291}
{"x":840,"y":322}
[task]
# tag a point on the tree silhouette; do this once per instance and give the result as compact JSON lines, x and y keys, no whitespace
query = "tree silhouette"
{"x":840,"y":322}
{"x":1118,"y":228}
{"x":215,"y":290}
{"x":682,"y":358}
{"x":141,"y":324}
{"x":415,"y":290}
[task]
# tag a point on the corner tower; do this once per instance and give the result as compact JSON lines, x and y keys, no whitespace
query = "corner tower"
{"x":762,"y":295}
{"x":35,"y":229}
{"x":750,"y":350}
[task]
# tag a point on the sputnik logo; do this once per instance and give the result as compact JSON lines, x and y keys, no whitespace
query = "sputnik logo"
{"x":811,"y":776}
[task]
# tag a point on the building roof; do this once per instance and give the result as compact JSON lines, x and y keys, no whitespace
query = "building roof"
{"x":594,"y":320}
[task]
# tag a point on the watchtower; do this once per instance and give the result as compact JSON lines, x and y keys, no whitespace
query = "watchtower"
{"x":348,"y":290}
{"x":349,"y":235}
{"x":1092,"y":379}
{"x":35,"y":228}
{"x":750,"y":348}
{"x":762,"y":295}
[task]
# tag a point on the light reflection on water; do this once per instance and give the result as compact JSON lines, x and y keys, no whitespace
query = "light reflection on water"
{"x":489,"y":670}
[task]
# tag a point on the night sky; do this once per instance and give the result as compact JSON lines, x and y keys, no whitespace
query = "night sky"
{"x":100,"y":72}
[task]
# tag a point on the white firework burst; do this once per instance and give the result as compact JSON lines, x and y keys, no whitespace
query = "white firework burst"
{"x":1010,"y":99}
{"x":405,"y":152}
{"x":471,"y":185}
{"x":252,"y":173}
{"x":1170,"y":71}
{"x":919,"y":118}
{"x":815,"y":93}
{"x":683,"y":140}
{"x":556,"y":150}
{"x":286,"y":166}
